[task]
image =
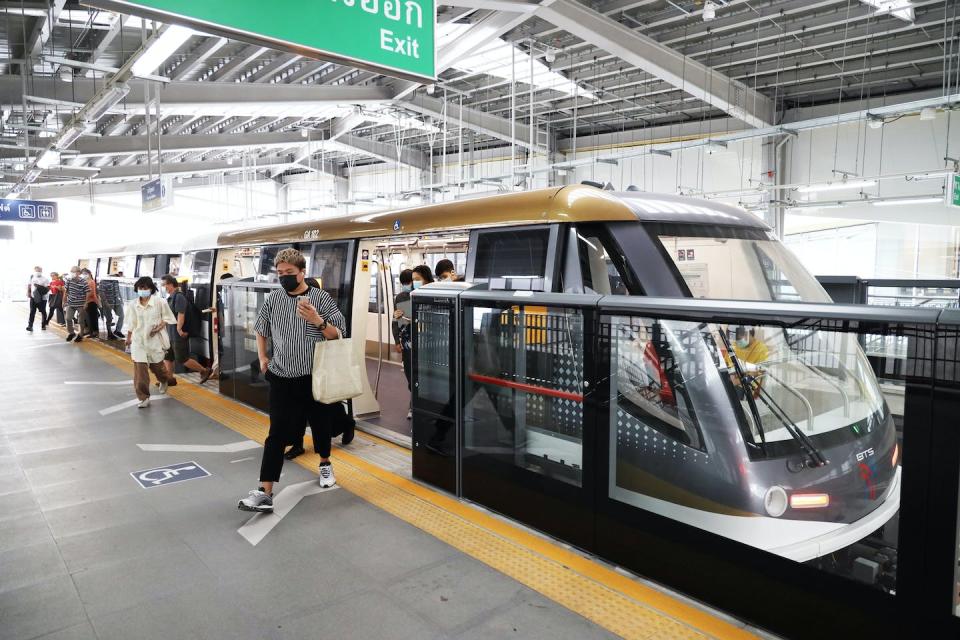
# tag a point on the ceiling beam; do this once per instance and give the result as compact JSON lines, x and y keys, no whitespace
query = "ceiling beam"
{"x":409,"y":157}
{"x":197,"y":57}
{"x":236,"y":64}
{"x":42,"y":30}
{"x":106,"y":40}
{"x":637,"y":49}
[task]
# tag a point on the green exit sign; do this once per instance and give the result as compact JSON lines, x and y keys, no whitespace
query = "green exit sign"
{"x":395,"y":37}
{"x":955,"y":189}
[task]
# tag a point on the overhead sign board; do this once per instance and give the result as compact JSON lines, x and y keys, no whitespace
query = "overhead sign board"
{"x":28,"y":211}
{"x":156,"y":194}
{"x":953,"y":190}
{"x":395,"y":37}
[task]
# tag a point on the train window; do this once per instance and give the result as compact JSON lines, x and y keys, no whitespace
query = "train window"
{"x":517,"y":253}
{"x":652,"y":366}
{"x":737,"y":264}
{"x":145,"y":268}
{"x":600,"y":274}
{"x":329,"y":266}
{"x":268,"y":271}
{"x":173,"y":267}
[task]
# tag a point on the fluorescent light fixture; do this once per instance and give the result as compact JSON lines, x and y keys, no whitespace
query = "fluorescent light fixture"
{"x":902,"y":9}
{"x":31,"y":175}
{"x":160,"y":49}
{"x":709,"y":11}
{"x":104,"y":101}
{"x":918,"y":200}
{"x":68,"y":137}
{"x":49,"y":158}
{"x":932,"y":175}
{"x":715,"y":146}
{"x":837,"y":186}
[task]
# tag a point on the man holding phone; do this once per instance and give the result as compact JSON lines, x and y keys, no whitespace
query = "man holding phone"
{"x":295,"y":318}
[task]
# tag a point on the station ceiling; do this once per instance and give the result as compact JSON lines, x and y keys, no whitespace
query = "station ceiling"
{"x":579,"y":69}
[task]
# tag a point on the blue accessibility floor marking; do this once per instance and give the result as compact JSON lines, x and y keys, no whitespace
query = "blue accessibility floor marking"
{"x":170,"y":474}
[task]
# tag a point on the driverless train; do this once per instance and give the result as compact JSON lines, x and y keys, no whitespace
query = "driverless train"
{"x":776,"y":437}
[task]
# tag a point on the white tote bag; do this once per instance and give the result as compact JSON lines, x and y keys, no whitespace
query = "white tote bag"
{"x":336,"y":371}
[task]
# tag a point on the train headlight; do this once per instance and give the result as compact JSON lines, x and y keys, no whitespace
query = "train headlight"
{"x":775,"y":501}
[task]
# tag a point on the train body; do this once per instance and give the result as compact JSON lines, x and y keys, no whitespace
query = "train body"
{"x":777,"y":437}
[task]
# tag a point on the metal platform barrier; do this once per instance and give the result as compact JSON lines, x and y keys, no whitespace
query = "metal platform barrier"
{"x":743,"y":453}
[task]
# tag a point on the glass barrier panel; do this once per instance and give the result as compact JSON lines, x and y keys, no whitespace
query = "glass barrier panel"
{"x":241,"y":305}
{"x":778,"y":437}
{"x":523,"y":388}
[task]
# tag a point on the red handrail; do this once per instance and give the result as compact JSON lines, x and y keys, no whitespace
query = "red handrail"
{"x":526,"y":388}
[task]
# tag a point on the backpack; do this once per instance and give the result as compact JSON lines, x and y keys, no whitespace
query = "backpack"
{"x":193,"y":320}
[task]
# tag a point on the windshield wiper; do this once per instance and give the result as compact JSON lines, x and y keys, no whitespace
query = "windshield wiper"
{"x":745,"y":386}
{"x":805,"y":442}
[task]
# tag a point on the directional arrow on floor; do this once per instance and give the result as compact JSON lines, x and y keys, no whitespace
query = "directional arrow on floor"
{"x":233,"y":447}
{"x":257,"y":527}
{"x":127,"y":404}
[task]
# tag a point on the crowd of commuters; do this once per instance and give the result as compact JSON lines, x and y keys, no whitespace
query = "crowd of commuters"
{"x":293,"y":318}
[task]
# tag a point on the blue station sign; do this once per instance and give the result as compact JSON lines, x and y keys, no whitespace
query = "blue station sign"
{"x":28,"y":211}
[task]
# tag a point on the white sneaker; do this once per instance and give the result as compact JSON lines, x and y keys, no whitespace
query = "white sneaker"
{"x":143,"y":404}
{"x":257,"y":501}
{"x":163,"y":388}
{"x":327,"y":479}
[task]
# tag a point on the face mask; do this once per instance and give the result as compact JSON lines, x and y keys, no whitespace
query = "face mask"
{"x":84,"y":276}
{"x":39,"y":273}
{"x":417,"y":284}
{"x":289,"y":282}
{"x":74,"y":274}
{"x":144,"y":293}
{"x":743,"y":343}
{"x":406,"y":287}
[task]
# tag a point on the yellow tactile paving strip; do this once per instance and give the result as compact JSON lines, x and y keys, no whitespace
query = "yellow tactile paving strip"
{"x":611,"y":600}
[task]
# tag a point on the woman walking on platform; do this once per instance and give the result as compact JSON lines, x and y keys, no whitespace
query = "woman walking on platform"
{"x":147,"y":339}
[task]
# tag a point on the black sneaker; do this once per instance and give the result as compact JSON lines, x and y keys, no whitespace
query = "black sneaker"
{"x":29,"y":328}
{"x":78,"y":339}
{"x":71,"y":336}
{"x":294,"y":452}
{"x":43,"y":327}
{"x":117,"y":335}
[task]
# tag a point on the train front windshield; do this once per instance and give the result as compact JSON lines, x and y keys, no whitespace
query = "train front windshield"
{"x":792,"y":383}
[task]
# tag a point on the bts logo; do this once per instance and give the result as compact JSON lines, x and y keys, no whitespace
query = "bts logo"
{"x":863,"y":455}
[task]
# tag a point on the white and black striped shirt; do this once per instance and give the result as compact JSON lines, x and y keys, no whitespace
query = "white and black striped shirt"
{"x":293,"y":337}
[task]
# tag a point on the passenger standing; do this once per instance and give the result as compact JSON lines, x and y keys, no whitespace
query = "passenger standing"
{"x":295,"y":317}
{"x":55,"y":303}
{"x":76,"y":293}
{"x":91,"y":304}
{"x":111,"y":304}
{"x":445,"y":271}
{"x":401,"y":327}
{"x":179,"y":350}
{"x":38,"y":288}
{"x":147,"y":339}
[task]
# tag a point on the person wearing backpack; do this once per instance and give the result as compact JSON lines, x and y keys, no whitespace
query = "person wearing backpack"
{"x":179,"y":350}
{"x":38,"y":288}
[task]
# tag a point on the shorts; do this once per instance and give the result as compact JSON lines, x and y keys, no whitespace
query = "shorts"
{"x":179,"y":350}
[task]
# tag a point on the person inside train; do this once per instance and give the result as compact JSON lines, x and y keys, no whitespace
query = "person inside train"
{"x":180,"y":332}
{"x":55,"y":304}
{"x":147,"y":339}
{"x":401,"y":325}
{"x":295,"y":317}
{"x":75,"y":290}
{"x":445,"y":271}
{"x":748,"y":347}
{"x":422,"y":275}
{"x":38,"y":290}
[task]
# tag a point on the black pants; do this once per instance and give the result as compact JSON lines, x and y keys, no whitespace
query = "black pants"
{"x":338,"y":421}
{"x":407,"y":355}
{"x":56,"y":305}
{"x":291,"y":406}
{"x":93,"y":319}
{"x":35,"y":306}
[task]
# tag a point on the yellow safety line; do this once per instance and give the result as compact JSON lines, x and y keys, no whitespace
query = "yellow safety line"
{"x":613,"y":601}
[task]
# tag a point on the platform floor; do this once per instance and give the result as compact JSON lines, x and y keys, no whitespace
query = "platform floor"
{"x":86,"y":552}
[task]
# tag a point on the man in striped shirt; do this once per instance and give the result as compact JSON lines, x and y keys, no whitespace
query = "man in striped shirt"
{"x":76,"y":295}
{"x":295,"y":318}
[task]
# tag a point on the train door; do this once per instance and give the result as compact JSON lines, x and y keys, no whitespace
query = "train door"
{"x":381,"y":263}
{"x":197,"y":269}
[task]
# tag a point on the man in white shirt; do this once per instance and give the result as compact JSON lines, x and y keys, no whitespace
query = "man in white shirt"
{"x":38,"y":289}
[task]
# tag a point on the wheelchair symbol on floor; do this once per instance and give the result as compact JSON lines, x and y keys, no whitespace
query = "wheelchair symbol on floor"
{"x":169,"y":474}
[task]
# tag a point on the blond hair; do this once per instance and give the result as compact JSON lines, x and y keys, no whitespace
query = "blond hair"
{"x":291,"y":256}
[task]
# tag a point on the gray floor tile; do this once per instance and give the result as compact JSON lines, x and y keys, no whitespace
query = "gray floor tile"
{"x":17,"y":504}
{"x":101,"y":514}
{"x":82,"y":631}
{"x":194,"y":613}
{"x":536,"y":617}
{"x":27,"y":529}
{"x":455,"y":593}
{"x":117,"y":586}
{"x":88,"y":490}
{"x":39,"y":609}
{"x":117,"y":544}
{"x":372,"y":614}
{"x":30,"y":564}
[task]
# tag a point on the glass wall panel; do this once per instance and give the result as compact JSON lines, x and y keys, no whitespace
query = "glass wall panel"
{"x":523,"y":385}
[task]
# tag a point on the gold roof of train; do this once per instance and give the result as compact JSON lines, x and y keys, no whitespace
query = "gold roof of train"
{"x":577,"y":203}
